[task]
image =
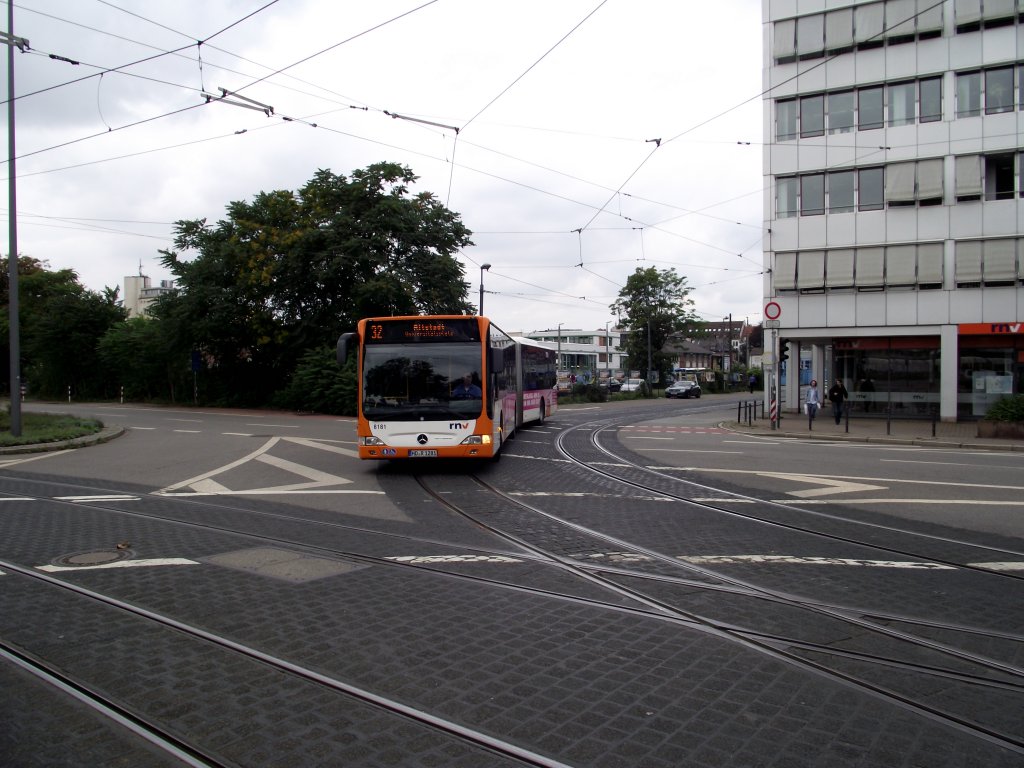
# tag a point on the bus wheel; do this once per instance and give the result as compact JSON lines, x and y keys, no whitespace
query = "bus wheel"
{"x":540,"y":419}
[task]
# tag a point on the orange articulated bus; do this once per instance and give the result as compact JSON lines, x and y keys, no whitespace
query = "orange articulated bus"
{"x":446,"y":386}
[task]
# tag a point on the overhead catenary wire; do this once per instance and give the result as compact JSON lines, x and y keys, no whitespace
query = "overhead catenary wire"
{"x":725,"y":250}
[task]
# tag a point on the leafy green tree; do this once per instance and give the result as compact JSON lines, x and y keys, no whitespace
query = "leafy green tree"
{"x":653,"y":305}
{"x":60,"y":325}
{"x":319,"y":387}
{"x":288,"y":272}
{"x":137,"y":351}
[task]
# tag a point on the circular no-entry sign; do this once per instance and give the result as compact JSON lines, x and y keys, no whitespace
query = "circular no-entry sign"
{"x":772,"y":310}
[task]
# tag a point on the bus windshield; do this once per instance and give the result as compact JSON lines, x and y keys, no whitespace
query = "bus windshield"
{"x":422,"y":381}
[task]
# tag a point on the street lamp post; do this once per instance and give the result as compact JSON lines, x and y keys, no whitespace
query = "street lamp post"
{"x":483,"y":268}
{"x":560,"y":345}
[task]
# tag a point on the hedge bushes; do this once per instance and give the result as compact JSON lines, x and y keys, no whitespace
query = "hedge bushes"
{"x":1007,"y":409}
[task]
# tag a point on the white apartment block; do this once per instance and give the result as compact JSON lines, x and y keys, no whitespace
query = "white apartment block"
{"x":894,"y":199}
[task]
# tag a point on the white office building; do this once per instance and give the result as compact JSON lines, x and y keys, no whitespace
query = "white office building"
{"x":894,"y":199}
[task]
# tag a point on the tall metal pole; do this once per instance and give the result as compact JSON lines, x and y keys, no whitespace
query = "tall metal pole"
{"x":483,"y":267}
{"x":12,"y":256}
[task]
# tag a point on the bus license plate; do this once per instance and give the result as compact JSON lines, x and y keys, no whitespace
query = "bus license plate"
{"x":413,"y":452}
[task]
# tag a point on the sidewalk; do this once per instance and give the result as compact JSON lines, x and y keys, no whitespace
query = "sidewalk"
{"x":871,"y":430}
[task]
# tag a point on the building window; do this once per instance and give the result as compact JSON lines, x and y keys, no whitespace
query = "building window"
{"x":998,"y":90}
{"x":810,"y":36}
{"x":812,"y":116}
{"x":870,"y":189}
{"x":901,"y":104}
{"x":869,"y":25}
{"x":999,"y":179}
{"x":930,"y":90}
{"x":968,"y":178}
{"x":899,"y":184}
{"x":785,"y":119}
{"x":840,"y":191}
{"x":870,"y":108}
{"x":840,"y":111}
{"x":968,"y":94}
{"x":968,"y":15}
{"x":785,"y":197}
{"x":812,"y":194}
{"x":930,"y":181}
{"x":967,"y":264}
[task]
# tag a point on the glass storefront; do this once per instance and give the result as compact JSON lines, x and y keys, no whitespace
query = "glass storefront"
{"x":901,"y":374}
{"x":990,"y":368}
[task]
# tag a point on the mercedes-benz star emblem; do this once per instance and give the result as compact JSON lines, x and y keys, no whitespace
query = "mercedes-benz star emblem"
{"x":421,"y":439}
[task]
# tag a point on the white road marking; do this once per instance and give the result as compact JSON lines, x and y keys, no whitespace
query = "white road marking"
{"x":323,"y":446}
{"x":318,"y":479}
{"x":274,"y":492}
{"x":535,"y":458}
{"x":98,"y":497}
{"x":34,"y":457}
{"x":831,"y":486}
{"x":142,"y":429}
{"x":188,"y":431}
{"x":453,"y":559}
{"x":150,"y":563}
{"x":16,"y":498}
{"x":690,"y":450}
{"x":580,"y":495}
{"x":947,"y":464}
{"x":792,"y":560}
{"x":727,"y":498}
{"x":238,"y":434}
{"x":849,"y":477}
{"x":191,"y":421}
{"x":279,"y":426}
{"x":647,"y":437}
{"x":945,"y":502}
{"x":748,"y":442}
{"x":1006,"y":566}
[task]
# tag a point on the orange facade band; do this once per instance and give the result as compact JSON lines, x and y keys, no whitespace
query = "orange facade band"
{"x":991,"y":329}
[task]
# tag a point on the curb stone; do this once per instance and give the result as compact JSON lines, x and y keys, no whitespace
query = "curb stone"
{"x":104,"y":435}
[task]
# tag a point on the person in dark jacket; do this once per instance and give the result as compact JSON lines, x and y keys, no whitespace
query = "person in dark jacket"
{"x":838,"y":395}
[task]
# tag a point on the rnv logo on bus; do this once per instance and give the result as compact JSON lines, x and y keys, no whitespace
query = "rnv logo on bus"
{"x":458,"y":425}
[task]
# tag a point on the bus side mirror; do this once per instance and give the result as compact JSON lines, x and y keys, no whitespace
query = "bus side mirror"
{"x":345,"y":343}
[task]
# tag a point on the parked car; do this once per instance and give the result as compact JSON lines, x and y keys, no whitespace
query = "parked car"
{"x":632,"y":385}
{"x":684,"y":388}
{"x":614,"y":385}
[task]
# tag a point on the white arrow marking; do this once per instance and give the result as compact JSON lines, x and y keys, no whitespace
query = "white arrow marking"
{"x":831,"y":486}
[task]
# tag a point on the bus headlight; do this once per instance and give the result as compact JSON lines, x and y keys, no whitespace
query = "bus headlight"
{"x":477,"y":440}
{"x":371,"y":440}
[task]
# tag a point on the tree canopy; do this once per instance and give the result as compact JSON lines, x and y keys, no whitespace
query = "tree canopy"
{"x":653,"y":305}
{"x":289,"y":271}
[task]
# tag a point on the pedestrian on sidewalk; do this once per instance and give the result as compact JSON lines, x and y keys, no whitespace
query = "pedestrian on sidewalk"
{"x":838,"y":395}
{"x":752,"y":382}
{"x":813,"y":401}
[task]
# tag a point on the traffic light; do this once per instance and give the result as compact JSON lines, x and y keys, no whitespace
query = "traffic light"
{"x":783,"y":350}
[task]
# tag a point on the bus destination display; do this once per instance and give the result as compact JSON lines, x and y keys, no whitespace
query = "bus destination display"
{"x":426,"y":329}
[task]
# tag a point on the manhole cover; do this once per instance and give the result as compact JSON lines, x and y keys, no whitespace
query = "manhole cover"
{"x":94,"y":557}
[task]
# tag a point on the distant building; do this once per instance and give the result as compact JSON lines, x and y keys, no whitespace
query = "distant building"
{"x":139,"y":293}
{"x":587,"y":353}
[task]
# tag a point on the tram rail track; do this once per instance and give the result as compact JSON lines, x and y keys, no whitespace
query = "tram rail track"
{"x":888,"y":655}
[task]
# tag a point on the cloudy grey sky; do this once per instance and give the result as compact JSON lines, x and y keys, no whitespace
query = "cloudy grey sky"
{"x":554,"y":167}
